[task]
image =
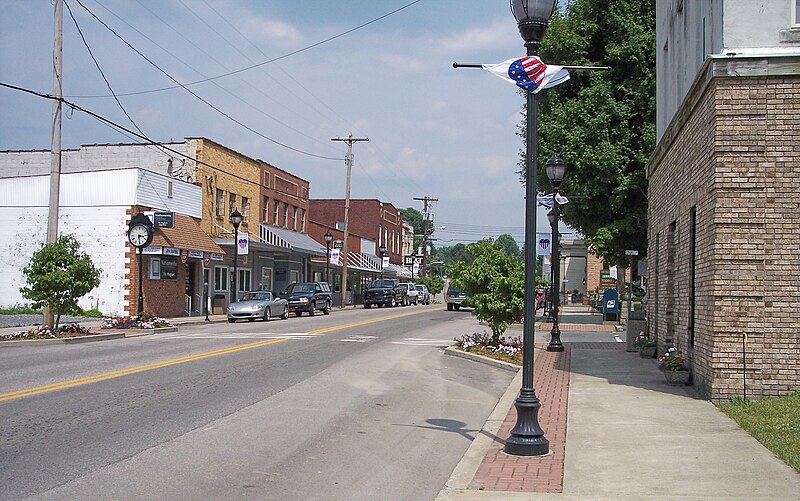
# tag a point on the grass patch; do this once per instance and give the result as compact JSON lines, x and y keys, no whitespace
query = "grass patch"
{"x":19,"y":309}
{"x":775,"y":422}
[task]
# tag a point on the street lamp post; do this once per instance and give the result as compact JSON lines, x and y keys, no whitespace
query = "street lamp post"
{"x":527,"y":437}
{"x":236,"y":220}
{"x":382,"y":251}
{"x":555,"y":169}
{"x":328,"y":239}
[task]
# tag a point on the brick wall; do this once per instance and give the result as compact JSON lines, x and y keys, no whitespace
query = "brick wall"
{"x":732,"y":158}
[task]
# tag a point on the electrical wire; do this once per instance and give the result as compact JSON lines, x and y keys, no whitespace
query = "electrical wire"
{"x":284,"y":56}
{"x":215,"y":108}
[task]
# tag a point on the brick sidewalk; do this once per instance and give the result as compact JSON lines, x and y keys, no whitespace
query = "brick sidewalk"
{"x":501,"y":472}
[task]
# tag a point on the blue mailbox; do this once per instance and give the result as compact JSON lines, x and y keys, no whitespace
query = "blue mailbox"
{"x":610,"y":305}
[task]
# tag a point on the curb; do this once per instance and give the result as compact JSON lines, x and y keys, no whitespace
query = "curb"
{"x":452,"y":350}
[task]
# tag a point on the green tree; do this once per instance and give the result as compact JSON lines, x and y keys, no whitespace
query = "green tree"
{"x":602,"y":123}
{"x":58,"y":275}
{"x":507,"y":244}
{"x":434,"y":283}
{"x":494,"y":284}
{"x":453,"y":254}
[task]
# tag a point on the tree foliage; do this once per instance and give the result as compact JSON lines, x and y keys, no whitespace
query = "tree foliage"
{"x":507,"y":244}
{"x":494,"y":284}
{"x":58,"y":275}
{"x":434,"y":283}
{"x":602,"y":123}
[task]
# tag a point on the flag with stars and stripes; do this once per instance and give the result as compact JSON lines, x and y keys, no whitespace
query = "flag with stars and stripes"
{"x":529,"y":73}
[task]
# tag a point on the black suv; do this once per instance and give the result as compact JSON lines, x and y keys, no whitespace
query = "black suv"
{"x":383,"y":292}
{"x":308,"y":297}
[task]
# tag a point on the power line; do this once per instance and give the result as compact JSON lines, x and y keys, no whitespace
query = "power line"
{"x":284,"y":56}
{"x":215,"y":108}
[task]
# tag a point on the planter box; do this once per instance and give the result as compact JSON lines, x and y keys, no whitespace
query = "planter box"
{"x":677,"y":378}
{"x":647,"y":351}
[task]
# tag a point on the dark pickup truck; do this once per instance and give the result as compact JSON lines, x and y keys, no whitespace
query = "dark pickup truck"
{"x":308,"y":297}
{"x":383,"y":292}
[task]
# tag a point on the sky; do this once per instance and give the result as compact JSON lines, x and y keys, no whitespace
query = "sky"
{"x":435,"y":131}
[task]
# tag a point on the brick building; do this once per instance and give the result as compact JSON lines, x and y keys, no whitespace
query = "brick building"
{"x":724,"y":186}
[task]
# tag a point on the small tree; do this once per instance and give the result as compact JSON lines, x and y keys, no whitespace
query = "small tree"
{"x":434,"y":283}
{"x":58,"y":275}
{"x":494,"y":284}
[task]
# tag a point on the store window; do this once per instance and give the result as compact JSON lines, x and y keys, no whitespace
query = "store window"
{"x":266,"y":279}
{"x":220,"y":202}
{"x":243,"y":284}
{"x":220,"y":278}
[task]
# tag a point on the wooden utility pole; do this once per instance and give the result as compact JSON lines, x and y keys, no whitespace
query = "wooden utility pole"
{"x":425,"y":204}
{"x":349,"y":140}
{"x":55,"y":147}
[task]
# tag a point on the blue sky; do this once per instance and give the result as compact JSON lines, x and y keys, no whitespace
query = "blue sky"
{"x":434,"y":130}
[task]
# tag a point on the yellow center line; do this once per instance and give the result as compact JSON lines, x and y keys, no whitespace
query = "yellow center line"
{"x":132,"y":370}
{"x":72,"y":383}
{"x":365,"y":322}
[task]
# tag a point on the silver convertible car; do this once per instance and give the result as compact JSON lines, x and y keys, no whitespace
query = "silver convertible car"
{"x":258,"y":304}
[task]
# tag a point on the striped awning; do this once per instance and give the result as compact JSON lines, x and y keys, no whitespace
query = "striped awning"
{"x":291,"y":240}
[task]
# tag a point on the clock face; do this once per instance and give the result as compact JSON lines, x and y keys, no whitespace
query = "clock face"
{"x":138,"y":235}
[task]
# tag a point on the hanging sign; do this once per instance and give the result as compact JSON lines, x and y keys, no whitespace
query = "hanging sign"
{"x":543,"y":244}
{"x":243,"y":245}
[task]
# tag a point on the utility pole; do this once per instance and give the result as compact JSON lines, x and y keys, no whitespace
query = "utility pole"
{"x":425,"y":205}
{"x":349,"y":140}
{"x":55,"y":147}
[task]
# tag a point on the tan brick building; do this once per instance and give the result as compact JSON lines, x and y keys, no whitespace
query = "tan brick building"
{"x":724,"y":216}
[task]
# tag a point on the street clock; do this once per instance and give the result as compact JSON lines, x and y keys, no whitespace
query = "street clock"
{"x":140,"y":231}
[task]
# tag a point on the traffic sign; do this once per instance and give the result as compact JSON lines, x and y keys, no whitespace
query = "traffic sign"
{"x":631,"y":252}
{"x":338,"y":244}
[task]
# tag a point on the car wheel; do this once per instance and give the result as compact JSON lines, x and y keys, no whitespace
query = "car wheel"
{"x":267,"y":315}
{"x":367,"y":306}
{"x":449,"y":307}
{"x":327,"y":309}
{"x":298,"y":313}
{"x":231,"y":320}
{"x":392,"y":302}
{"x":456,"y":307}
{"x":312,"y":310}
{"x":285,"y":314}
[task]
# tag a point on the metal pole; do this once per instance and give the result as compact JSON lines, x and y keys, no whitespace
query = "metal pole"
{"x":328,"y":262}
{"x":527,"y":437}
{"x":140,"y":307}
{"x":205,"y":299}
{"x":630,"y":289}
{"x":555,"y":333}
{"x":234,"y":295}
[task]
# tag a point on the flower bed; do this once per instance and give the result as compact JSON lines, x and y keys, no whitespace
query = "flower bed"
{"x":144,"y":320}
{"x":45,"y":332}
{"x":506,"y":349}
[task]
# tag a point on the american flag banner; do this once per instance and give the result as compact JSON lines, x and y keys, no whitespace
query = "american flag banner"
{"x":529,"y":73}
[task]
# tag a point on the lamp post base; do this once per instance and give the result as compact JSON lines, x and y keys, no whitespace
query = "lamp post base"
{"x":555,"y":340}
{"x":527,"y":437}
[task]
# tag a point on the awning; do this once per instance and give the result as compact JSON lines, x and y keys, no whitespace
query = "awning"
{"x":400,"y":271}
{"x":186,"y":234}
{"x":364,"y":262}
{"x":292,"y":240}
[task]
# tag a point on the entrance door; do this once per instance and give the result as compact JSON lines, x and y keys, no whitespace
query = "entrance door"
{"x":190,"y":281}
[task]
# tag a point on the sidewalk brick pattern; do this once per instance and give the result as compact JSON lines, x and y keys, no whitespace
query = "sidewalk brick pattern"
{"x":501,"y":472}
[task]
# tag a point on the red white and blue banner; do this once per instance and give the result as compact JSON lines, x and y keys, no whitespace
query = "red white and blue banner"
{"x":529,"y":73}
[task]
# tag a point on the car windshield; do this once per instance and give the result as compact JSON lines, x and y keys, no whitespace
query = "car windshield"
{"x":257,"y":296}
{"x":454,"y":292}
{"x":382,"y":283}
{"x":419,"y":288}
{"x":300,"y":288}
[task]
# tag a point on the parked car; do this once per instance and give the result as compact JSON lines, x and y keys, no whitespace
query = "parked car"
{"x":258,"y":304}
{"x":410,"y":294}
{"x":308,"y":297}
{"x":454,"y":298}
{"x":383,"y":292}
{"x":424,"y":295}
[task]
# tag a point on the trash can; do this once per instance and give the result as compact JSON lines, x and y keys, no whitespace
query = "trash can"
{"x":218,"y":304}
{"x":637,"y":323}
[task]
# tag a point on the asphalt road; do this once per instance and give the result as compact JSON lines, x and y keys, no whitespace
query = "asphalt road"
{"x":361,"y":404}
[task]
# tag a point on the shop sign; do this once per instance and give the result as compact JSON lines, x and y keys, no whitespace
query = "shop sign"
{"x":195,"y":254}
{"x":216,"y":257}
{"x":169,"y":251}
{"x":152,"y":250}
{"x":184,"y":256}
{"x":169,"y":269}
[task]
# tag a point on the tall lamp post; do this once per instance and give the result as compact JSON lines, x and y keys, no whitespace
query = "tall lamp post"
{"x":382,"y":251}
{"x":328,"y":239}
{"x":236,"y":220}
{"x":527,"y":437}
{"x":555,"y":169}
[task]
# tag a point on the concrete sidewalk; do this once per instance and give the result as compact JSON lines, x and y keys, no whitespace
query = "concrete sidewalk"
{"x":617,"y":431}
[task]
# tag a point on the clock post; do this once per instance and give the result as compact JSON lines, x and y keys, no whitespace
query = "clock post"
{"x":140,"y":235}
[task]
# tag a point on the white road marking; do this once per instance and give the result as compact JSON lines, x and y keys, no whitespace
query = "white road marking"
{"x":358,"y":339}
{"x":619,"y":339}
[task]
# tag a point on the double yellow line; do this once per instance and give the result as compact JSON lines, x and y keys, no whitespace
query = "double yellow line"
{"x":72,"y":383}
